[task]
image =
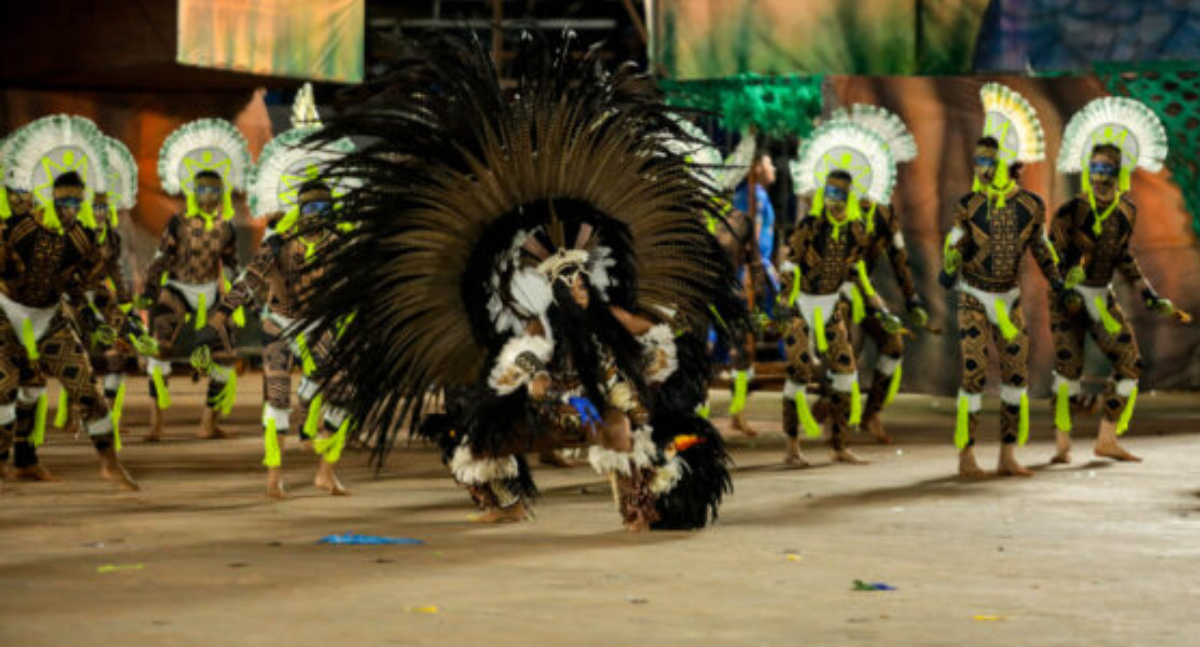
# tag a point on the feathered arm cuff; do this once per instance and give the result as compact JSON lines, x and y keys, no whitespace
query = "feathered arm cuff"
{"x":659,"y":346}
{"x":520,"y":359}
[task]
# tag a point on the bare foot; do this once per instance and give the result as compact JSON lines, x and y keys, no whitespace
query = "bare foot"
{"x":1008,"y":465}
{"x":847,"y":457}
{"x":637,"y":527}
{"x":1062,"y":454}
{"x":874,"y":426}
{"x":216,"y":433}
{"x":551,"y":458}
{"x":511,"y":514}
{"x":1107,"y":445}
{"x":1116,"y":452}
{"x":741,"y":424}
{"x":792,"y":456}
{"x":34,"y":473}
{"x":156,"y":425}
{"x":275,"y":484}
{"x":968,"y":467}
{"x":327,"y":480}
{"x":112,"y":470}
{"x":208,"y":427}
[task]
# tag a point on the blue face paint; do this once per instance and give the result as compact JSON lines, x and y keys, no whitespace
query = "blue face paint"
{"x":835,"y":194}
{"x":67,"y":203}
{"x":1103,"y":169}
{"x":988,"y":162}
{"x":208,"y":191}
{"x":316,"y":208}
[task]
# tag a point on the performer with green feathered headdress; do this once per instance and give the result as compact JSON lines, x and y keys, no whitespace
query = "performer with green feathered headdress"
{"x":32,"y":403}
{"x":841,"y":167}
{"x":288,"y":187}
{"x":111,"y":343}
{"x":206,"y":161}
{"x":49,"y":257}
{"x":994,"y":226}
{"x":1104,"y":142}
{"x":885,"y":238}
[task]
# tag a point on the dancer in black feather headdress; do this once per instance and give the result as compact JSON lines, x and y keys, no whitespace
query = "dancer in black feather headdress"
{"x":539,"y":257}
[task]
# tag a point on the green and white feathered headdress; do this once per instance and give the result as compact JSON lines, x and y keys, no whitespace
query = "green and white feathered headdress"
{"x":304,"y":108}
{"x":49,"y":147}
{"x":121,"y":171}
{"x":849,"y":147}
{"x":737,"y":163}
{"x":705,"y":158}
{"x":1125,"y":123}
{"x":901,"y":143}
{"x":285,"y":164}
{"x":1014,"y":123}
{"x":701,"y":154}
{"x":204,"y":145}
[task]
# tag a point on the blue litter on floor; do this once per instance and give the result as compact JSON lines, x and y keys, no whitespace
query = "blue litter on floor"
{"x":352,"y":539}
{"x":860,"y":585}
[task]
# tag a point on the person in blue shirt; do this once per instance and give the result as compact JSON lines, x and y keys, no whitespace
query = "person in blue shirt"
{"x":764,"y":176}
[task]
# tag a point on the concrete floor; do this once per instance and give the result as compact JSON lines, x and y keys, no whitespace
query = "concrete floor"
{"x":1089,"y":554}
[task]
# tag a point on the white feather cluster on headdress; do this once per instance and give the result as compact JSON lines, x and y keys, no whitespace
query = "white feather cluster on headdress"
{"x":738,"y":163}
{"x":1014,"y":123}
{"x":530,"y":288}
{"x":304,"y":108}
{"x":849,"y":147}
{"x":702,"y":156}
{"x":529,"y":292}
{"x":121,"y":171}
{"x":45,"y":149}
{"x":203,"y":145}
{"x":285,"y":164}
{"x":901,"y":143}
{"x":1126,"y":123}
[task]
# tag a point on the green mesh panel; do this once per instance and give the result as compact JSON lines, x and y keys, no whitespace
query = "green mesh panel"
{"x":1172,"y":90}
{"x":775,"y":105}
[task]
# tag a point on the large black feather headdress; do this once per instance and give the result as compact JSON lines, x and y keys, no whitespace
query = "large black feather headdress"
{"x":473,"y":200}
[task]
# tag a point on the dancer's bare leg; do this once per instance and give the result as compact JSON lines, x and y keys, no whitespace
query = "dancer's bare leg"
{"x":792,"y":456}
{"x":1009,"y":465}
{"x":112,"y":470}
{"x":874,"y":426}
{"x":36,"y":473}
{"x":275,"y":487}
{"x":155,"y":433}
{"x":1062,"y":451}
{"x":968,"y":466}
{"x":1107,"y":445}
{"x":847,"y":457}
{"x":616,"y":434}
{"x":208,"y":426}
{"x":742,"y":425}
{"x":496,"y":514}
{"x":326,"y":478}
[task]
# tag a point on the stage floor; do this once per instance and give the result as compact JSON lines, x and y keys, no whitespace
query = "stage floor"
{"x":1093,"y":553}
